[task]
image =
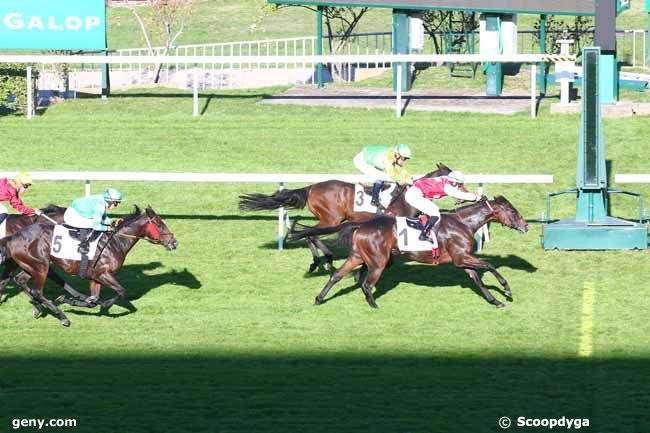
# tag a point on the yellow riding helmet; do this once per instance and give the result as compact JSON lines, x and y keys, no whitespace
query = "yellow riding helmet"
{"x":22,"y":179}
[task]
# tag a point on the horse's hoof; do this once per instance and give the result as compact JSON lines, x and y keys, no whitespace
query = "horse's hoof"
{"x":65,"y":322}
{"x":500,"y":305}
{"x":313,"y":267}
{"x":318,"y":301}
{"x":37,"y":314}
{"x":371,"y":302}
{"x":60,"y":300}
{"x":509,"y":297}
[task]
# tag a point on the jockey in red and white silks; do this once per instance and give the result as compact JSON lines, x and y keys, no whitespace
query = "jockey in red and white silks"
{"x":423,"y":190}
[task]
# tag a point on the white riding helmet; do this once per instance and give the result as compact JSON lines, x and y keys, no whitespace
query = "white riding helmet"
{"x":456,"y":176}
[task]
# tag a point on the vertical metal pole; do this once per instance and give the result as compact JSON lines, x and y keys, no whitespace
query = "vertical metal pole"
{"x":30,"y":93}
{"x":542,"y":50}
{"x":319,"y":45}
{"x":533,"y":90}
{"x":87,"y":187}
{"x":196,"y":91}
{"x":398,"y":99}
{"x":281,"y":222}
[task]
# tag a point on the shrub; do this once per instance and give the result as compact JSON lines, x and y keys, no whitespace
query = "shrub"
{"x":13,"y":87}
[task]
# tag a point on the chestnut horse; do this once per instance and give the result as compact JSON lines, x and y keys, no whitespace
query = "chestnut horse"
{"x":332,"y":202}
{"x":30,"y":249}
{"x":373,"y":241}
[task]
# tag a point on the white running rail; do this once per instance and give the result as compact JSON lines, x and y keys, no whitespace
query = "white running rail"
{"x":279,"y":178}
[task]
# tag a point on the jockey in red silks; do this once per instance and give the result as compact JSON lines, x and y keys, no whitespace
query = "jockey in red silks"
{"x":423,"y":190}
{"x":10,"y":190}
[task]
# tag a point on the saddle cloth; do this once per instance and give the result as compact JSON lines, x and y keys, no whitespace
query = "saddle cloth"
{"x":362,"y":200}
{"x":408,"y":232}
{"x":64,"y":246}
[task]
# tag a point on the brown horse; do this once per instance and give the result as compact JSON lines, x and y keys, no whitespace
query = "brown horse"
{"x":30,"y":249}
{"x":16,"y":223}
{"x":332,"y":202}
{"x":373,"y":242}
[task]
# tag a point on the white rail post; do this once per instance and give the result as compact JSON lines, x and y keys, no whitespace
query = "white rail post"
{"x":281,"y":222}
{"x":30,"y":93}
{"x":87,"y":189}
{"x":398,"y":99}
{"x":533,"y":90}
{"x":196,"y":91}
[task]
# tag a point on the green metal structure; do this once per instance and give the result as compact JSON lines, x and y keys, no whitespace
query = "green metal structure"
{"x":592,"y":228}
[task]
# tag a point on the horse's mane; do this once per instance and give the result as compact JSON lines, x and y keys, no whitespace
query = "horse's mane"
{"x":129,"y":218}
{"x":52,"y":208}
{"x":441,"y":170}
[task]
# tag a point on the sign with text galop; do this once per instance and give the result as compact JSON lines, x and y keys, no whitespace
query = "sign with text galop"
{"x":53,"y":24}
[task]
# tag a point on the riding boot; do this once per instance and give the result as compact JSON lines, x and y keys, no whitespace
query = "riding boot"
{"x":3,"y":216}
{"x":84,"y":249}
{"x":424,"y":235}
{"x":376,"y":188}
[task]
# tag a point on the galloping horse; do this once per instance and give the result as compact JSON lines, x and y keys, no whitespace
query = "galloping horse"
{"x":30,"y":249}
{"x":16,"y":223}
{"x":373,"y":242}
{"x":332,"y":202}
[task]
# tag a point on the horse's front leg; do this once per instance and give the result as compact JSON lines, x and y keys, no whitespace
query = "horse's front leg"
{"x":473,"y":274}
{"x":311,"y":243}
{"x":110,"y":281}
{"x":484,"y":264}
{"x":329,"y":257}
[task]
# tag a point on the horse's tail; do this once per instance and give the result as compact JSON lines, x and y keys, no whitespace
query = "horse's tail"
{"x":291,"y":198}
{"x":345,"y":230}
{"x":345,"y":235}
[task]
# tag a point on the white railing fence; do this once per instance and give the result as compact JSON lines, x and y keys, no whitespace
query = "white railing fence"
{"x":278,"y":178}
{"x":398,"y":59}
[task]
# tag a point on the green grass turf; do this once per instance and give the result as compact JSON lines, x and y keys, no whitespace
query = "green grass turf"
{"x":226,"y":339}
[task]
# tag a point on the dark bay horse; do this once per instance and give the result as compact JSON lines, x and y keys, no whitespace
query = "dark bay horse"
{"x":30,"y":249}
{"x":332,"y":202}
{"x":16,"y":223}
{"x":373,"y":241}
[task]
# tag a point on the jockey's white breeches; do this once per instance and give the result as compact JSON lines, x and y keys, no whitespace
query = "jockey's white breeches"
{"x":3,"y":209}
{"x":369,"y":170}
{"x":72,"y":218}
{"x":415,"y":198}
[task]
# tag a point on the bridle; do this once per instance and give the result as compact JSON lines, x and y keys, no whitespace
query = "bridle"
{"x":151,"y":228}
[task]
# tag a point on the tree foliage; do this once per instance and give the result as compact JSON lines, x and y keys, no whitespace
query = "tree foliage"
{"x":13,"y":87}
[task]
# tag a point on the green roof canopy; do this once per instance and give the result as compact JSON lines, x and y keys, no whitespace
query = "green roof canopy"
{"x":557,"y":7}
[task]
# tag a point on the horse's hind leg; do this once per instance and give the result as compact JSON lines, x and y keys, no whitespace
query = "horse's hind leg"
{"x":374,"y":273}
{"x":37,"y":293}
{"x":353,"y":261}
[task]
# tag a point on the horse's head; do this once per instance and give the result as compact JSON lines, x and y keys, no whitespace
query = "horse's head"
{"x":441,"y":170}
{"x":506,"y":214}
{"x":157,"y":231}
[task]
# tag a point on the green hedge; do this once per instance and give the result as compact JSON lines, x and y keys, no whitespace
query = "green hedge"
{"x":13,"y":87}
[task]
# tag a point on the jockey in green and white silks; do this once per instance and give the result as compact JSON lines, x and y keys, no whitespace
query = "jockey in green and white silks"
{"x":384,"y":163}
{"x":90,"y":212}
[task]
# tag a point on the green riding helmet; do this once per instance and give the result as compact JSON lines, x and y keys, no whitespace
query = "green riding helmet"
{"x":404,"y":151}
{"x":111,"y":194}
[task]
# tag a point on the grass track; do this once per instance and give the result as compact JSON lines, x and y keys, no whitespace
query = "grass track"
{"x":226,"y":338}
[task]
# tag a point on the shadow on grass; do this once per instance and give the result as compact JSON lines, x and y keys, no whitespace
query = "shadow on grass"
{"x":322,"y":393}
{"x":442,"y":276}
{"x":134,"y":278}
